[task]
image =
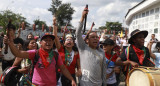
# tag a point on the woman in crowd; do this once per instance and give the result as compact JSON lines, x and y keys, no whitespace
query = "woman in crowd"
{"x":25,"y":63}
{"x":69,"y":55}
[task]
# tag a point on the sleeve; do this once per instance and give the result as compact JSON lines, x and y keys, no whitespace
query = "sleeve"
{"x":31,"y":54}
{"x":104,"y":71}
{"x":80,"y":41}
{"x":123,"y":56}
{"x":59,"y":63}
{"x":61,"y":49}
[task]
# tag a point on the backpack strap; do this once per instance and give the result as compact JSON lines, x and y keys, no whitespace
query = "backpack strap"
{"x":127,"y":52}
{"x":56,"y":55}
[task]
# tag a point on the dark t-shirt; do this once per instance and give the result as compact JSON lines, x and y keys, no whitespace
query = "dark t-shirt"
{"x":132,"y":55}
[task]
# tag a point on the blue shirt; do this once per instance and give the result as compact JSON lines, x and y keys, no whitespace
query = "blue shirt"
{"x":111,"y":64}
{"x":157,"y":60}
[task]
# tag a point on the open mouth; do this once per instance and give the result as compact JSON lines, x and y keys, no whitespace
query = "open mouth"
{"x":68,"y":44}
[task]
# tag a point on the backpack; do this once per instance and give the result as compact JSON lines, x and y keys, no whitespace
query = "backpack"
{"x":36,"y":58}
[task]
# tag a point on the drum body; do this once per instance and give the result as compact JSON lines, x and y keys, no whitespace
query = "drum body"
{"x":144,"y":76}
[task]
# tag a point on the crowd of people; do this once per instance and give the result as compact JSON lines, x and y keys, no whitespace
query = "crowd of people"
{"x":96,"y":61}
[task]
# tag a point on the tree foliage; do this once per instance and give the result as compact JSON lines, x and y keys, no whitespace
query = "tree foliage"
{"x":17,"y":19}
{"x":39,"y":23}
{"x":114,"y":26}
{"x":63,"y":12}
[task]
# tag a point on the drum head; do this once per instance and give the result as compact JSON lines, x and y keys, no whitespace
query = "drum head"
{"x":138,"y":78}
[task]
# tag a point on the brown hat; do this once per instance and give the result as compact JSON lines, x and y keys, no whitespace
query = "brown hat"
{"x":135,"y":32}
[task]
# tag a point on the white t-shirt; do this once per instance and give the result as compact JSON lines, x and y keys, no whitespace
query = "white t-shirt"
{"x":124,"y":42}
{"x":9,"y":56}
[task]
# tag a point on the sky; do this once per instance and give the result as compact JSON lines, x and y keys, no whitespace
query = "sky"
{"x":100,"y":11}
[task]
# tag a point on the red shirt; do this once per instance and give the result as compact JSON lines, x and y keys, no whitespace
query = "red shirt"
{"x":71,"y":67}
{"x":113,"y":58}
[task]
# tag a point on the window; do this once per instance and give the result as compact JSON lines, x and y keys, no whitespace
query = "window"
{"x":156,"y":30}
{"x":157,"y":16}
{"x":136,"y":16}
{"x":157,"y":10}
{"x":147,"y":13}
{"x":140,"y":15}
{"x":143,"y":14}
{"x":152,"y":11}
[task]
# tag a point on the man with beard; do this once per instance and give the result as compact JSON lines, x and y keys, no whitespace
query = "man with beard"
{"x":92,"y":59}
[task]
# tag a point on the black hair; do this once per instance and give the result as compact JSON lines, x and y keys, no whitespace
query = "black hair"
{"x":30,"y":34}
{"x":18,"y":40}
{"x":153,"y":34}
{"x":26,"y":43}
{"x":158,"y":45}
{"x":108,"y":42}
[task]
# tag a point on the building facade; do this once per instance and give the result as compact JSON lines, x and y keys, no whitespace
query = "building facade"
{"x":145,"y":16}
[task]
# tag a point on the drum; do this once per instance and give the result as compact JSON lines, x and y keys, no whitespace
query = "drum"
{"x":144,"y":76}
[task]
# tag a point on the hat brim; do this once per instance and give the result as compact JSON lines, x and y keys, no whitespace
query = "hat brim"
{"x":52,"y":37}
{"x":145,"y":33}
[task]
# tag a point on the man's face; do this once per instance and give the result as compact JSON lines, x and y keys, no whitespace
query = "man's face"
{"x":107,"y":48}
{"x":47,"y":43}
{"x":139,"y":40}
{"x":19,"y":46}
{"x":153,"y":36}
{"x":93,"y":40}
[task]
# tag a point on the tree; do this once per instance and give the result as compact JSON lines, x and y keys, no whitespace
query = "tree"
{"x":114,"y":26}
{"x":63,"y":12}
{"x":7,"y":15}
{"x":102,"y":28}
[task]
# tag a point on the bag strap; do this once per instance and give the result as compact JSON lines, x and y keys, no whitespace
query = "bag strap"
{"x":56,"y":55}
{"x":110,"y":60}
{"x":127,"y":52}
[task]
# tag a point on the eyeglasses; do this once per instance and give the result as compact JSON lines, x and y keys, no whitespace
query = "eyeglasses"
{"x":69,"y":39}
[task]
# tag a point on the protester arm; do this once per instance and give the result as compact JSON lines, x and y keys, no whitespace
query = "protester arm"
{"x":66,"y":73}
{"x":104,"y":65}
{"x":119,"y":62}
{"x":57,"y":42}
{"x":17,"y":61}
{"x":19,"y":32}
{"x":80,"y":41}
{"x":16,"y":52}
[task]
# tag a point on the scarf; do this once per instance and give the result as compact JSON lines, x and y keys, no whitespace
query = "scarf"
{"x":140,"y":53}
{"x":46,"y":57}
{"x":68,"y":57}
